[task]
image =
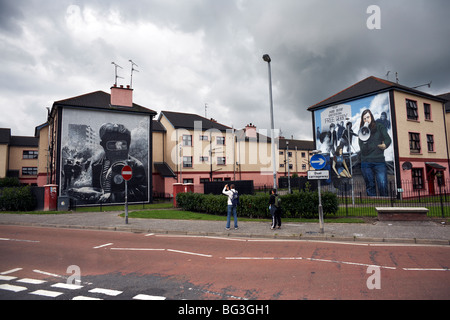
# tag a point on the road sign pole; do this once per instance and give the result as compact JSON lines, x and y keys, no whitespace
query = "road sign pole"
{"x":320,"y":208}
{"x":127,"y":174}
{"x":318,"y":162}
{"x":126,"y":202}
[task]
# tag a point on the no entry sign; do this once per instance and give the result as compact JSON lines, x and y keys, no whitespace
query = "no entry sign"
{"x":127,"y":173}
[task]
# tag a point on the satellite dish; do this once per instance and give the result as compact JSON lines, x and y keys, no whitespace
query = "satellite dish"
{"x":406,"y":165}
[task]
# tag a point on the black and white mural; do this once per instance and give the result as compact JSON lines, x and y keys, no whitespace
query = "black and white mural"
{"x":95,"y":146}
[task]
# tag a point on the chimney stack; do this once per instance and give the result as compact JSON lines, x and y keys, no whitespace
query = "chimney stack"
{"x":250,"y":131}
{"x":121,"y":96}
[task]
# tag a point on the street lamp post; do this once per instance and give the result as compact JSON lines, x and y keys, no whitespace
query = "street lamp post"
{"x":267,"y":59}
{"x":349,"y":139}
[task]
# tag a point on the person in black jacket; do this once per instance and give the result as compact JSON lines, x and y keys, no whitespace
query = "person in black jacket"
{"x":275,"y":209}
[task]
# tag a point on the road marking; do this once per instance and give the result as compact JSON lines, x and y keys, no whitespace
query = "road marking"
{"x":11,"y":271}
{"x":7,"y":278}
{"x":138,"y":249}
{"x":66,"y":286}
{"x":48,"y":273}
{"x":192,"y":253}
{"x":108,"y":292}
{"x":309,"y":259}
{"x":47,"y":293}
{"x":148,"y":297}
{"x":85,"y":298}
{"x":103,"y":245}
{"x":426,"y":269}
{"x":351,"y":263}
{"x":149,"y":234}
{"x":263,"y":258}
{"x":12,"y":288}
{"x":18,"y":240}
{"x":31,"y":281}
{"x":55,"y":275}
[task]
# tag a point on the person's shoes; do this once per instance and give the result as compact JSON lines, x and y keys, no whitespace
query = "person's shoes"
{"x":236,"y":228}
{"x":227,"y":229}
{"x":271,"y":228}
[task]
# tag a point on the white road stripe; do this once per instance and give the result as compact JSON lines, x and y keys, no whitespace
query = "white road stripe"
{"x":103,"y":245}
{"x":31,"y":281}
{"x":148,"y":297}
{"x":263,"y":258}
{"x":426,"y":269}
{"x":66,"y":286}
{"x":11,"y":271}
{"x":48,"y":273}
{"x":108,"y":292}
{"x":192,"y":253}
{"x":7,"y":278}
{"x":351,"y":263}
{"x":18,"y":240}
{"x":9,"y":287}
{"x":137,"y":249}
{"x":47,"y":293}
{"x":85,"y":298}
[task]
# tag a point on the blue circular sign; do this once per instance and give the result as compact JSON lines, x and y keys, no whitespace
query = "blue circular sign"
{"x":318,"y":161}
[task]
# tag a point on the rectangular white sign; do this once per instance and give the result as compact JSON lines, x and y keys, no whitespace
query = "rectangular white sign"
{"x":319,"y":175}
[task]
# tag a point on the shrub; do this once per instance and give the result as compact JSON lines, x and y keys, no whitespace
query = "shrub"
{"x":304,"y":204}
{"x":17,"y":199}
{"x":9,"y":182}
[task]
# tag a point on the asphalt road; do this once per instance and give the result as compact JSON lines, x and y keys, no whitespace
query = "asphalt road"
{"x":36,"y":263}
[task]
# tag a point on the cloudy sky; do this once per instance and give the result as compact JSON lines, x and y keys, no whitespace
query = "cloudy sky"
{"x":195,"y":52}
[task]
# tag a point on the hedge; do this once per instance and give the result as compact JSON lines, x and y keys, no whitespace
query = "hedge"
{"x":17,"y":199}
{"x":303,"y":204}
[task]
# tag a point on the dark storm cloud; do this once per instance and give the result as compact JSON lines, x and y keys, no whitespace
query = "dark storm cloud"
{"x":194,"y":52}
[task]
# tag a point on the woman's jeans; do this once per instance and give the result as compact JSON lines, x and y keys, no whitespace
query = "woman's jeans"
{"x":372,"y":170}
{"x":231,"y":208}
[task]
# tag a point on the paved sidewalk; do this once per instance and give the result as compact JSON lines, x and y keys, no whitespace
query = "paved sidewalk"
{"x":423,"y":232}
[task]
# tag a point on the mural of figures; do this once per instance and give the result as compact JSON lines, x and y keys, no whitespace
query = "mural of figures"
{"x":95,"y":146}
{"x":356,"y":138}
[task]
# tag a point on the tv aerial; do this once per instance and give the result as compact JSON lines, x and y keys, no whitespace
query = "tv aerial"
{"x":132,"y":69}
{"x":115,"y":69}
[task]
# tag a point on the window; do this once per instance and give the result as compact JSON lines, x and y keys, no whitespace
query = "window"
{"x":188,"y":180}
{"x":187,"y":162}
{"x":417,"y":177}
{"x":203,"y":138}
{"x":187,"y":140}
{"x":303,"y":154}
{"x":29,"y":154}
{"x":411,"y":110}
{"x":204,"y":180}
{"x":220,"y":140}
{"x":221,"y":161}
{"x":427,"y":111}
{"x":289,"y":154}
{"x":303,"y":166}
{"x":204,"y":159}
{"x":414,"y":142}
{"x":430,"y":142}
{"x":29,"y":171}
{"x":280,"y":153}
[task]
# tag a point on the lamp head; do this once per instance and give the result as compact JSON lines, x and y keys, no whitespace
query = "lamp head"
{"x":266,"y":58}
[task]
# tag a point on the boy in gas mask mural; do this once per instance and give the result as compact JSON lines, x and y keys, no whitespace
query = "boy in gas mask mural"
{"x":106,"y":172}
